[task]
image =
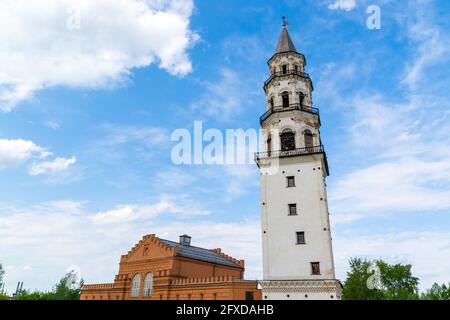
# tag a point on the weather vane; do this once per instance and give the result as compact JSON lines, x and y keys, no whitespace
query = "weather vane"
{"x":284,"y":21}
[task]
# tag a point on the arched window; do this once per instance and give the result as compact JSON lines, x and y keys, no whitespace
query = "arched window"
{"x":287,"y":140}
{"x":285,"y":98}
{"x":148,"y":285}
{"x":308,"y":139}
{"x":271,"y":103}
{"x":296,"y":69}
{"x":301,"y":98}
{"x":269,"y":144}
{"x":136,"y":286}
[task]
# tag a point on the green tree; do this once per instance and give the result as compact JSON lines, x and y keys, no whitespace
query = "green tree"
{"x":355,"y":287}
{"x":69,"y":287}
{"x":2,"y":273}
{"x":35,"y":295}
{"x":3,"y":295}
{"x":437,"y":292}
{"x":389,"y":282}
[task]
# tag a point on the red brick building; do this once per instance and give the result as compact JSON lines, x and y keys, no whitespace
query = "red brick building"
{"x":159,"y":269}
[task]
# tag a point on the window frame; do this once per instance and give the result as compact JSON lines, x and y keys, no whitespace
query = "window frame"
{"x":148,"y":284}
{"x":292,"y":178}
{"x":313,"y":265}
{"x":136,"y":285}
{"x":297,"y":234}
{"x":292,"y":206}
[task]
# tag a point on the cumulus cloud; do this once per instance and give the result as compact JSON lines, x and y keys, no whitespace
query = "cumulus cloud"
{"x":166,"y":205}
{"x":90,"y":44}
{"x":13,"y":152}
{"x":55,"y":165}
{"x":346,"y":5}
{"x":17,"y":151}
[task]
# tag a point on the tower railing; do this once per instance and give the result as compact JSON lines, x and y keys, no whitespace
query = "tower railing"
{"x":292,"y":153}
{"x":289,"y":153}
{"x":291,"y":107}
{"x":289,"y":72}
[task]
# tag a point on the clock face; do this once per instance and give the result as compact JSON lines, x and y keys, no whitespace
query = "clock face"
{"x":287,"y":141}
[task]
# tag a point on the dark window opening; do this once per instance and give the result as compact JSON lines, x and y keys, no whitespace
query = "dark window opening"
{"x":301,"y":237}
{"x":301,"y":98}
{"x":284,"y":69}
{"x":269,"y":145}
{"x":290,"y":182}
{"x":249,"y":295}
{"x":292,"y":209}
{"x":287,"y":140}
{"x":285,"y":98}
{"x":308,"y":139}
{"x":315,"y":268}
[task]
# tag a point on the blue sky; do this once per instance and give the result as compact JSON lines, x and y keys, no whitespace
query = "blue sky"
{"x":86,"y":116}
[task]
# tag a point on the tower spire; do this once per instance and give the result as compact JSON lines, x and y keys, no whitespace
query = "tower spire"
{"x":285,"y":43}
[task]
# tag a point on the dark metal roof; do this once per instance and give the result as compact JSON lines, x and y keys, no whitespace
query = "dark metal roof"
{"x":285,"y":43}
{"x":199,"y":253}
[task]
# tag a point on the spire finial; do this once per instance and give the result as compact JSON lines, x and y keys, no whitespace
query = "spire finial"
{"x":284,"y":21}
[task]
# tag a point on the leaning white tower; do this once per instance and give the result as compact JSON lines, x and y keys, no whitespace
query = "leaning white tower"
{"x":296,"y":236}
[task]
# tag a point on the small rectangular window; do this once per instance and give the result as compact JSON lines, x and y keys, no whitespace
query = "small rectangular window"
{"x":249,"y":295}
{"x":301,"y":237}
{"x":315,"y":268}
{"x":284,"y":69}
{"x":292,"y":209}
{"x":290,"y":182}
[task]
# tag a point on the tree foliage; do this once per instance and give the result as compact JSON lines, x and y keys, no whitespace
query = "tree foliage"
{"x":378,"y":280}
{"x":2,"y":273}
{"x":437,"y":292}
{"x":68,"y":288}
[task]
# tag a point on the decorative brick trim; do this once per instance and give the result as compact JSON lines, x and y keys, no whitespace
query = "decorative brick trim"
{"x":240,"y":263}
{"x":98,"y":286}
{"x":203,"y":280}
{"x":150,"y":238}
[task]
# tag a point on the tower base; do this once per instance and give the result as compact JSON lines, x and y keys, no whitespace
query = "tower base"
{"x":301,"y":289}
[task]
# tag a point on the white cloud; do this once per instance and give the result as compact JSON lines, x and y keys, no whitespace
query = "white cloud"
{"x":404,"y":185}
{"x":13,"y":152}
{"x":428,"y":252}
{"x":52,"y":125}
{"x":58,"y":164}
{"x":432,"y":45}
{"x":346,"y":5}
{"x":88,"y":44}
{"x":123,"y":142}
{"x":224,"y":98}
{"x":166,"y":205}
{"x":66,"y":234}
{"x":175,"y":178}
{"x":148,"y":136}
{"x":402,"y":147}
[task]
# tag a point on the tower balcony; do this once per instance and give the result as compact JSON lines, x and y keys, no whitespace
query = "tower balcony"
{"x":287,"y":73}
{"x":291,"y":107}
{"x":264,"y":156}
